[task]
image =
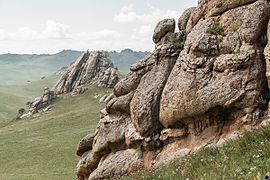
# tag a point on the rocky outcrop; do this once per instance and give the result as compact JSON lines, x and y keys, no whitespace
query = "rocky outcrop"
{"x":200,"y":87}
{"x":40,"y":104}
{"x":93,"y":67}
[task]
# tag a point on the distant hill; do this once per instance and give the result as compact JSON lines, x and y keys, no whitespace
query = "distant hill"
{"x":21,"y":68}
{"x":124,"y":59}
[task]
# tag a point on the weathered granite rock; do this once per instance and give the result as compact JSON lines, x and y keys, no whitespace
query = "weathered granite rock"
{"x":116,"y":164}
{"x":92,"y":66}
{"x":162,"y":28}
{"x":199,"y":88}
{"x":120,"y":104}
{"x":144,"y":106}
{"x":201,"y":82}
{"x":85,"y":144}
{"x":183,"y":20}
{"x":210,"y":8}
{"x":132,"y":80}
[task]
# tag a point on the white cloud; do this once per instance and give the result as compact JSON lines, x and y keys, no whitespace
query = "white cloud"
{"x":52,"y":30}
{"x":127,"y":8}
{"x":154,"y":15}
{"x":3,"y":35}
{"x":56,"y":30}
{"x":124,"y":17}
{"x":98,"y":35}
{"x":24,"y":33}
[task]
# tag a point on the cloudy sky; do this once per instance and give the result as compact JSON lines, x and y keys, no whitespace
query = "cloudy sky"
{"x":49,"y":26}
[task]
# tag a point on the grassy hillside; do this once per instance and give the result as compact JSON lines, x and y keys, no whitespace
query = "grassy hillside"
{"x":14,"y":97}
{"x":19,"y":68}
{"x":44,"y":147}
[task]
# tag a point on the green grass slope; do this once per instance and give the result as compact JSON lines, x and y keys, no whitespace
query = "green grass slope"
{"x":43,"y":148}
{"x":19,"y":68}
{"x":14,"y":97}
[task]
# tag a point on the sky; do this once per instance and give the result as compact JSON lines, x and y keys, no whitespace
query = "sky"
{"x":49,"y":26}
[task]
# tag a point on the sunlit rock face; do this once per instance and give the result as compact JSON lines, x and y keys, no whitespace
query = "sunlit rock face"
{"x":201,"y":86}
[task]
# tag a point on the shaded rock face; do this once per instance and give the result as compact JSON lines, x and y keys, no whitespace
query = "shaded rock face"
{"x":92,"y":66}
{"x":200,"y":87}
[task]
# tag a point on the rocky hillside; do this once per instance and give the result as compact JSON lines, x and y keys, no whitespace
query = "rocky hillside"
{"x":200,"y":87}
{"x":91,"y":67}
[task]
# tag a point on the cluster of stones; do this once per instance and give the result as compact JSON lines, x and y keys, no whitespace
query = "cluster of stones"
{"x":40,"y":104}
{"x":200,"y":87}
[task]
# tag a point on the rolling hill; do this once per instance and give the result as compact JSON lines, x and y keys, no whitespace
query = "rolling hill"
{"x":21,"y":68}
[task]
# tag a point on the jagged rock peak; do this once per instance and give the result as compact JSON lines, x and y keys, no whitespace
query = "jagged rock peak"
{"x":200,"y":87}
{"x":92,"y":66}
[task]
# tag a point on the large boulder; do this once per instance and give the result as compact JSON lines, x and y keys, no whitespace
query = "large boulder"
{"x":183,"y":20}
{"x":116,"y":164}
{"x":162,"y":28}
{"x":85,"y":144}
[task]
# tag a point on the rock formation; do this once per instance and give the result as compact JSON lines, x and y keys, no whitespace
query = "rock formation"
{"x":200,"y":87}
{"x":92,"y":66}
{"x":41,"y":103}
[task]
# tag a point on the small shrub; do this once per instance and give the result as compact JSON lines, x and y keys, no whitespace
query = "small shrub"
{"x":263,"y":40}
{"x":216,"y":29}
{"x":21,"y":111}
{"x":234,"y":27}
{"x":263,"y":101}
{"x":178,"y":43}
